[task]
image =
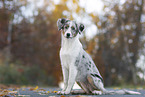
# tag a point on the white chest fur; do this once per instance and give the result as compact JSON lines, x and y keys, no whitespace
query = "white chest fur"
{"x":70,"y":49}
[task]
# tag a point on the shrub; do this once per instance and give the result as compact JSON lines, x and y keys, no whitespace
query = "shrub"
{"x":22,"y":75}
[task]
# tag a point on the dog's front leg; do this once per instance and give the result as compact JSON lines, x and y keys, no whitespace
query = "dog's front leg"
{"x":65,"y":79}
{"x":72,"y":76}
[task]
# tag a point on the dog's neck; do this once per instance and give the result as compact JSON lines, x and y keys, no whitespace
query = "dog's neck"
{"x":70,"y":43}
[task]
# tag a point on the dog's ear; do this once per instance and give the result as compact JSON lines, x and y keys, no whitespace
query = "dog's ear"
{"x":81,"y":28}
{"x":60,"y":23}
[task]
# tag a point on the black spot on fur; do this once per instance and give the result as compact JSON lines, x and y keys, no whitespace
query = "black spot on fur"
{"x":76,"y":62}
{"x":81,"y":27}
{"x":89,"y":65}
{"x":93,"y":75}
{"x":63,"y":20}
{"x":83,"y":56}
{"x":88,"y":69}
{"x":96,"y":75}
{"x":77,"y":29}
{"x":90,"y":62}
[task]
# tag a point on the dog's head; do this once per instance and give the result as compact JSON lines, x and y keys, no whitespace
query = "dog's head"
{"x":70,"y":28}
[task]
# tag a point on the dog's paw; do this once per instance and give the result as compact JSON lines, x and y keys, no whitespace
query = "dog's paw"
{"x":63,"y":92}
{"x":67,"y":92}
{"x":97,"y":92}
{"x":60,"y":92}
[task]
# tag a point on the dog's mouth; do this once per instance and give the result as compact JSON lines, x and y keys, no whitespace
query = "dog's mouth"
{"x":68,"y":37}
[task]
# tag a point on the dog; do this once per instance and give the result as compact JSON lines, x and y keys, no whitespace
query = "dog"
{"x":77,"y":65}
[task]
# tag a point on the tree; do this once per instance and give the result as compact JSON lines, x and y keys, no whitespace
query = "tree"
{"x":7,"y":11}
{"x":119,"y":40}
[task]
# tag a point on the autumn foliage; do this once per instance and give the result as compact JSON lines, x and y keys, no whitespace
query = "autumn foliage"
{"x":29,"y":45}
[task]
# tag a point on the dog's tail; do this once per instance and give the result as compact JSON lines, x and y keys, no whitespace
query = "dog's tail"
{"x":121,"y":92}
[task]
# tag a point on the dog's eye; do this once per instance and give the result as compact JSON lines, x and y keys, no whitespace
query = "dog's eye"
{"x":66,"y":27}
{"x":73,"y":28}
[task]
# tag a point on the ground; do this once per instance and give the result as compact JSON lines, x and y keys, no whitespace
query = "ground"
{"x":47,"y":92}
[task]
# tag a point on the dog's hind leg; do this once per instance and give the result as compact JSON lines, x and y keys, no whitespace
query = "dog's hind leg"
{"x":97,"y":84}
{"x":84,"y":86}
{"x":80,"y":91}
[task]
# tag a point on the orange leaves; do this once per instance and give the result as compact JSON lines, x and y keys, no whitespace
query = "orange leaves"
{"x":36,"y":88}
{"x":7,"y":92}
{"x":42,"y":91}
{"x":10,"y":92}
{"x":54,"y":91}
{"x":33,"y":89}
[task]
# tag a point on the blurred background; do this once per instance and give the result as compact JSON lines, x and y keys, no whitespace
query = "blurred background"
{"x":29,"y":40}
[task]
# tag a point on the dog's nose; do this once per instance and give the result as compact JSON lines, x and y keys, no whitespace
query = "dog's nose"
{"x":68,"y":34}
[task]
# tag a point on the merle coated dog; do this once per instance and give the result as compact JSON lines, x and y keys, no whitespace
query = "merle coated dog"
{"x":77,"y":65}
